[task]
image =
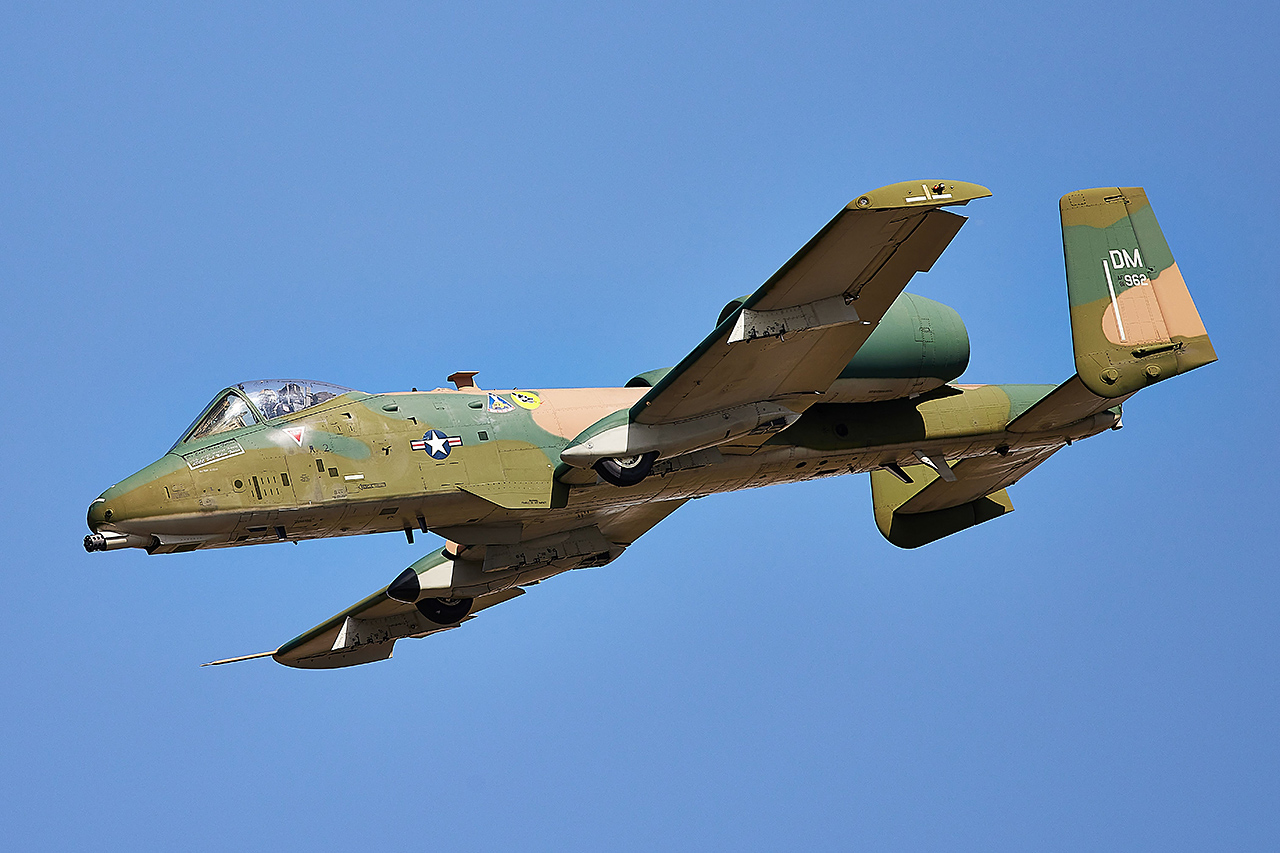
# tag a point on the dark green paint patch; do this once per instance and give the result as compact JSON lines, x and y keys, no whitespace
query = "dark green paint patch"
{"x":917,"y":337}
{"x":1023,"y":397}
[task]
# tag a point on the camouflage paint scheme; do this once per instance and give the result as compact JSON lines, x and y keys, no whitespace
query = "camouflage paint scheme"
{"x":827,"y":369}
{"x":1132,"y":318}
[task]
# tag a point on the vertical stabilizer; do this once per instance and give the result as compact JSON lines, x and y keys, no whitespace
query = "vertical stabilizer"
{"x":1132,"y":319}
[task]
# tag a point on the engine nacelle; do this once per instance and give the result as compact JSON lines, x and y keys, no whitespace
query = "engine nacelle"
{"x":918,"y":346}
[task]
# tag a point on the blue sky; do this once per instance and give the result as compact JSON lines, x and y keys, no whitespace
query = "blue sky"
{"x":561,"y":195}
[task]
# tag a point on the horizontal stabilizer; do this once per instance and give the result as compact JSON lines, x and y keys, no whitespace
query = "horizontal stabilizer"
{"x":913,"y":529}
{"x":975,"y":478}
{"x":1068,"y":404}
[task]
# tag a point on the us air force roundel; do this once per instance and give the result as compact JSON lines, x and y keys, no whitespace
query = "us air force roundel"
{"x":436,"y":443}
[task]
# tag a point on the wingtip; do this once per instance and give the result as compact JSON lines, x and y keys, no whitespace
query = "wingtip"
{"x":930,"y":193}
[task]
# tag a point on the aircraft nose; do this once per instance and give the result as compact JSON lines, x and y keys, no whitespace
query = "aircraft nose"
{"x":111,"y":517}
{"x":98,"y":514}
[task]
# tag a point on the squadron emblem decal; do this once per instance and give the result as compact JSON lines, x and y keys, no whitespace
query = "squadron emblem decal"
{"x":526,"y":399}
{"x":436,"y":443}
{"x":499,"y":405}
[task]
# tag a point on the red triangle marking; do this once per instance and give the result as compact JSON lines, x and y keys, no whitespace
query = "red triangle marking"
{"x":295,"y":433}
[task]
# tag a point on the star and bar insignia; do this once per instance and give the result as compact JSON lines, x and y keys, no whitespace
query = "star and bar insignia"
{"x":436,"y":443}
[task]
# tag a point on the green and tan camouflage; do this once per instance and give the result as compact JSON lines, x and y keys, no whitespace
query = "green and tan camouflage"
{"x":829,"y":368}
{"x":1132,"y":319}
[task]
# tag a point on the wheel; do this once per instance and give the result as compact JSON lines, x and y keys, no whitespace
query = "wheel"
{"x":445,"y":611}
{"x":626,"y":470}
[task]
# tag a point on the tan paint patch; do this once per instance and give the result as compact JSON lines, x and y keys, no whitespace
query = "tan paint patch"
{"x":984,"y":408}
{"x":1140,"y":312}
{"x":1180,"y":314}
{"x":568,"y":411}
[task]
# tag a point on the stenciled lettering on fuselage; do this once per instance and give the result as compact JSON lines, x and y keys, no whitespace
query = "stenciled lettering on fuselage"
{"x":436,"y":444}
{"x":211,"y":454}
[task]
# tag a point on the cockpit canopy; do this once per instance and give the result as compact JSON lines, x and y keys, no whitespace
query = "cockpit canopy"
{"x":248,"y":403}
{"x":275,"y":398}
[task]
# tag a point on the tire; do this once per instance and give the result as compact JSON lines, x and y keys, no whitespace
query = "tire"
{"x":445,"y":611}
{"x":626,"y":470}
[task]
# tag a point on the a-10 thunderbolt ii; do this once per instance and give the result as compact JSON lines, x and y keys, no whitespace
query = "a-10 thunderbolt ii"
{"x":828,"y":368}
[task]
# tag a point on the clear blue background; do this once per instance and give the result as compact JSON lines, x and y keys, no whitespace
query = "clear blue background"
{"x":563,"y":195}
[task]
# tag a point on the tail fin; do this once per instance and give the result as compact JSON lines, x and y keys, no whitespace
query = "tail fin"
{"x":1132,"y":319}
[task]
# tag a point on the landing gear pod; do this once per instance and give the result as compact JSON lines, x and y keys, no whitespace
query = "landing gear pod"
{"x":626,"y":470}
{"x":445,"y":611}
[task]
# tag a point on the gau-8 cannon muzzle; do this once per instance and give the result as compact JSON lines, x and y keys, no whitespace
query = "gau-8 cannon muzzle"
{"x":116,"y":541}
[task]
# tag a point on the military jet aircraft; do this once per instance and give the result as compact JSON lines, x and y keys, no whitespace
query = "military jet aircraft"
{"x":828,"y":368}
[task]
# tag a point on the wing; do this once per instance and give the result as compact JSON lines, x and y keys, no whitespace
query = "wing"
{"x":923,"y":507}
{"x":452,"y":585}
{"x":790,"y":339}
{"x":367,"y":632}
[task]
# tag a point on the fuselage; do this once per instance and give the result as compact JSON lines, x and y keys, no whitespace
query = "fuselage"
{"x":430,"y":461}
